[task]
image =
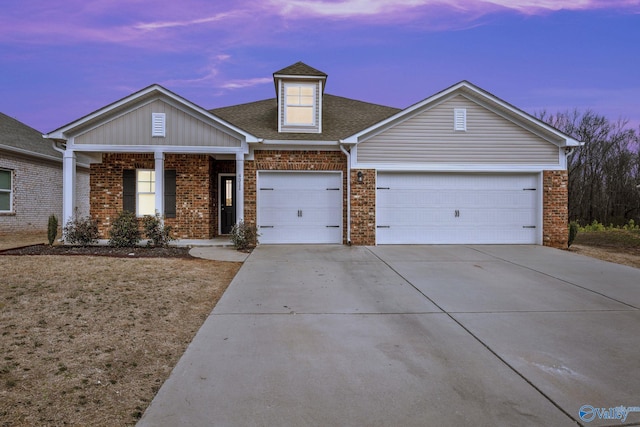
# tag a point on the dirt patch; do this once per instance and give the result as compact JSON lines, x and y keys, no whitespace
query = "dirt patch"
{"x":610,"y":255}
{"x":89,"y":340}
{"x":613,"y":245}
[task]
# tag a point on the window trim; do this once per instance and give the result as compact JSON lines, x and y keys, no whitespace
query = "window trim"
{"x":10,"y":190}
{"x":313,"y":105}
{"x":138,"y":192}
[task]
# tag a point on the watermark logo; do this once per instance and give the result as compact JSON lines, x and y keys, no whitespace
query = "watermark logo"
{"x":589,"y":413}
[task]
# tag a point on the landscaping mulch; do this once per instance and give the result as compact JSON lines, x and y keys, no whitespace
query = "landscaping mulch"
{"x":94,"y":250}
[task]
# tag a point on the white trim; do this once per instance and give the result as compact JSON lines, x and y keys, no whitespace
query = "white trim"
{"x":105,"y":148}
{"x":298,"y":77}
{"x":298,"y":142}
{"x":462,"y":168}
{"x":158,"y":125}
{"x":12,"y":175}
{"x":219,"y":201}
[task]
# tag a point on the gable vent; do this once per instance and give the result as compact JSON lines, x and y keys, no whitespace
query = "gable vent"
{"x":460,"y":119}
{"x":158,"y":127}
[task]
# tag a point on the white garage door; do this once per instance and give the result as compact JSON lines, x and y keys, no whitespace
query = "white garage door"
{"x":428,"y":208}
{"x":300,"y":207}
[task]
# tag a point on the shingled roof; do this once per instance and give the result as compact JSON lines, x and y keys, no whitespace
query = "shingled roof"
{"x":300,"y":69}
{"x":15,"y":136}
{"x":341,"y":117}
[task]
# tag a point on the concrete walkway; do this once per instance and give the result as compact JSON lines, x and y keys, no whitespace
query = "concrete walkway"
{"x":412,"y":336}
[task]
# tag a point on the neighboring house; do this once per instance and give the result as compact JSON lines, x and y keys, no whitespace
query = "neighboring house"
{"x":31,"y":178}
{"x":461,"y":166}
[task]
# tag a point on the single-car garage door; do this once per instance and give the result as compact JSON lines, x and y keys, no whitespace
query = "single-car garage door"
{"x":442,"y":208}
{"x":300,"y":207}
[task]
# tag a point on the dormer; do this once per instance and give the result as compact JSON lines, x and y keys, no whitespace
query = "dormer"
{"x":299,"y":90}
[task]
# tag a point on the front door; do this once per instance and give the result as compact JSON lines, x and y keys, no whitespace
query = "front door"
{"x":227,"y":203}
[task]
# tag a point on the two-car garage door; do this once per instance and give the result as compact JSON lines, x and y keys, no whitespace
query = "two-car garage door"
{"x":442,"y":208}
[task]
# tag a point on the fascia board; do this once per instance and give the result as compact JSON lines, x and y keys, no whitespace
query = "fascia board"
{"x":172,"y":149}
{"x":461,"y":168}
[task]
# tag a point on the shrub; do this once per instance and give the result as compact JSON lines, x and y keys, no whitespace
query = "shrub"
{"x":52,"y":229}
{"x":573,"y":232}
{"x":81,"y":230}
{"x":594,"y":226}
{"x":156,"y":231}
{"x":244,"y":236}
{"x":124,"y":231}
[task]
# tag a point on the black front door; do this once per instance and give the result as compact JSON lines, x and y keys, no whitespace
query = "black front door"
{"x":227,"y":203}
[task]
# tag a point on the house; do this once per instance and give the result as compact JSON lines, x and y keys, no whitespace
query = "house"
{"x":461,"y":166}
{"x":30,"y":179}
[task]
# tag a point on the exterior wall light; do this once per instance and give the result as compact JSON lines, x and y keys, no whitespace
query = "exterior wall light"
{"x":360,"y":177}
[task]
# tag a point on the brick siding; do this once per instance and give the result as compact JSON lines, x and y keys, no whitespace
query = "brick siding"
{"x":363,"y":207}
{"x":194,"y":213}
{"x":37,"y":193}
{"x":555,"y":209}
{"x":309,"y":160}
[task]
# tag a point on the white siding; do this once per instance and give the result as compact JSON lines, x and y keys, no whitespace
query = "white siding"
{"x":135,"y":128}
{"x":429,"y":137}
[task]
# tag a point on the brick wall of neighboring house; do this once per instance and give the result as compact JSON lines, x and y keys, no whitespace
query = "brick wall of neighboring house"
{"x":37,"y":193}
{"x":555,"y":209}
{"x":193,"y":191}
{"x":363,"y":207}
{"x":309,"y":160}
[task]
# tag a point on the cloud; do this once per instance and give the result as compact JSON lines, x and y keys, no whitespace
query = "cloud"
{"x":148,"y":26}
{"x":242,"y":84}
{"x":343,"y":9}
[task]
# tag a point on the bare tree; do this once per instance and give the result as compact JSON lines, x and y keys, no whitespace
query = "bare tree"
{"x":604,"y":173}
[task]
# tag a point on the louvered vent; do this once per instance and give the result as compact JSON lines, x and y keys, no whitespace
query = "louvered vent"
{"x":460,"y":119}
{"x":158,"y":127}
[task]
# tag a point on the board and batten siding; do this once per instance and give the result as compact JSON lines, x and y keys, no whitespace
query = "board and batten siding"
{"x":429,"y":137}
{"x":134,"y":128}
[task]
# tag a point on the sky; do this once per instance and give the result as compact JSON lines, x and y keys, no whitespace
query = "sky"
{"x":61,"y":60}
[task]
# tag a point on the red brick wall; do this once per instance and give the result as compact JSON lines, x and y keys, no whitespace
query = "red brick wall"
{"x":309,"y":160}
{"x":363,"y":207}
{"x":193,"y":191}
{"x":555,"y":210}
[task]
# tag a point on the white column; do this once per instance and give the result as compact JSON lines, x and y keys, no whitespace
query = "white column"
{"x":68,"y":185}
{"x":159,"y":169}
{"x":239,"y":187}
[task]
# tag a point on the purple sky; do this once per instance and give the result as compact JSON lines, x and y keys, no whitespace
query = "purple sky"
{"x":60,"y":60}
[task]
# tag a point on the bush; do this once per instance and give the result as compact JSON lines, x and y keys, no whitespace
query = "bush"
{"x":244,"y":236}
{"x":156,"y":231}
{"x":52,"y":229}
{"x":573,"y":232}
{"x":81,"y":230}
{"x":124,"y":231}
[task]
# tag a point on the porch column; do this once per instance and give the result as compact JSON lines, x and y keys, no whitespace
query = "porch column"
{"x":239,"y":187}
{"x":68,"y":185}
{"x":159,"y":169}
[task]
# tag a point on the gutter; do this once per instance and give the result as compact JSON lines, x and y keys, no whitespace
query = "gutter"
{"x":348,"y":154}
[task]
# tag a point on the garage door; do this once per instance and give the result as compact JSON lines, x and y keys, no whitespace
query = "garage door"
{"x":423,"y":208}
{"x":300,"y":207}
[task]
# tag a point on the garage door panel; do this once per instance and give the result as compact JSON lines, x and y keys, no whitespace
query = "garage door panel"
{"x":300,"y":207}
{"x":431,"y":208}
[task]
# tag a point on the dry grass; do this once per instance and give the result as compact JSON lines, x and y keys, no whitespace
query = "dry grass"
{"x":90,"y":340}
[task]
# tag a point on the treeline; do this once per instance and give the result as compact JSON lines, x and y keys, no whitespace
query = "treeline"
{"x":604,"y":174}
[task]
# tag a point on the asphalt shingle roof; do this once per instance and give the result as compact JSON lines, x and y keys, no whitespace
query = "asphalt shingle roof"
{"x":15,"y":134}
{"x":341,"y":117}
{"x":300,"y":69}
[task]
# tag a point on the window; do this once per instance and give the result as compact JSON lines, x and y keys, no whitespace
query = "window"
{"x":146,"y":192}
{"x":139,"y":192}
{"x":300,"y":104}
{"x":6,"y":193}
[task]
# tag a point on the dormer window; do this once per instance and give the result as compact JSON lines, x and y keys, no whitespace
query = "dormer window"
{"x":299,"y":104}
{"x":299,"y":89}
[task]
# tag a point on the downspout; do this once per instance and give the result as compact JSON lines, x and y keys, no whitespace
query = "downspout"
{"x":54,"y":144}
{"x":348,"y":154}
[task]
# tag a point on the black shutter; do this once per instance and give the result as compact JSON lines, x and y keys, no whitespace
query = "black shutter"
{"x":129,"y":190}
{"x":169,"y":193}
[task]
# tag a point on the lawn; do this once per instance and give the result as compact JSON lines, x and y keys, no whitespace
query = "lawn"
{"x":90,"y":340}
{"x":615,"y":245}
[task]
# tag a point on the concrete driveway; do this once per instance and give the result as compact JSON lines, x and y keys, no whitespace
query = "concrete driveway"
{"x":413,"y":336}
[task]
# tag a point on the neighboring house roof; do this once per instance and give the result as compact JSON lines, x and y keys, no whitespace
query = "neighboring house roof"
{"x":19,"y":138}
{"x":341,"y":117}
{"x":476,"y":94}
{"x":300,"y":69}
